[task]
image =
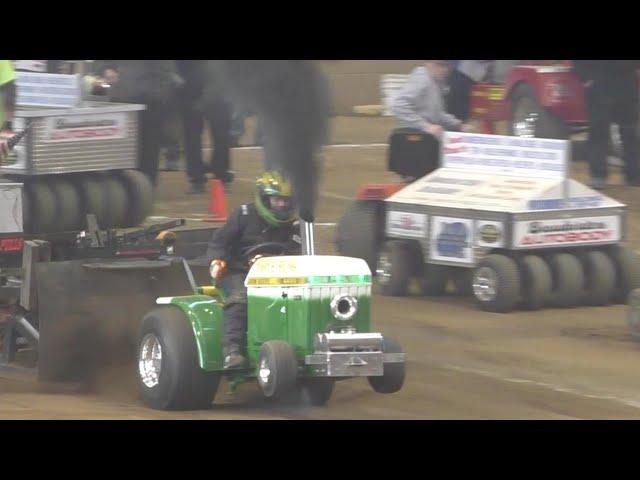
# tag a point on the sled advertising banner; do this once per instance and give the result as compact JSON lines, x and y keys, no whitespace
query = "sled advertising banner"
{"x":564,"y":232}
{"x":405,"y":224}
{"x":104,"y":126}
{"x":451,"y":240}
{"x":506,"y":155}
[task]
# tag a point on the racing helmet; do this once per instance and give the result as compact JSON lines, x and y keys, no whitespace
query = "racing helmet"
{"x":274,"y":201}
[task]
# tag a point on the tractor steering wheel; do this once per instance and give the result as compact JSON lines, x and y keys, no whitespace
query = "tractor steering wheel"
{"x":268,"y":248}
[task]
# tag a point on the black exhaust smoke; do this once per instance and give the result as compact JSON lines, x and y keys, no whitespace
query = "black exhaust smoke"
{"x":291,"y":100}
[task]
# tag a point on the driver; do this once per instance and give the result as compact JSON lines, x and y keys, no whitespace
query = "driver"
{"x":270,"y":218}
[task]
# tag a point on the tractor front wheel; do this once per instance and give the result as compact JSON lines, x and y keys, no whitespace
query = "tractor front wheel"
{"x":277,"y":369}
{"x":318,"y":390}
{"x":392,"y":378}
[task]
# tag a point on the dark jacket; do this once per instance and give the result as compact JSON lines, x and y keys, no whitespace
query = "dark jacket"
{"x":608,"y":75}
{"x":142,"y":81}
{"x":246,"y":228}
{"x":193,"y":75}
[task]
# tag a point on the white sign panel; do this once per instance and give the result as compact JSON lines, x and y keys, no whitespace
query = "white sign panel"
{"x":506,"y":155}
{"x":30,"y":65}
{"x":489,"y":234}
{"x":47,"y":89}
{"x":551,"y":233}
{"x":11,"y":212}
{"x":451,"y":240}
{"x":85,"y":127}
{"x":405,"y":224}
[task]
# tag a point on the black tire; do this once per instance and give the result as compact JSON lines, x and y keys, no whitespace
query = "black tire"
{"x":501,"y":272}
{"x":627,"y":265}
{"x":43,"y":207}
{"x":140,"y":196}
{"x":68,"y":208}
{"x":393,"y":376}
{"x":536,"y":281}
{"x":394,"y":268}
{"x":116,"y":198}
{"x":280,"y":359}
{"x":434,"y":280}
{"x":633,"y":315}
{"x":317,"y":391}
{"x":600,"y":278}
{"x":358,"y":233}
{"x":568,"y":280}
{"x":462,"y":279}
{"x":93,"y":198}
{"x":181,"y":384}
{"x":548,"y":125}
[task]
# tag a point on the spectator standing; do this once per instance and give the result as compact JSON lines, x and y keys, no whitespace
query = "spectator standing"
{"x":464,"y":76}
{"x":147,"y":82}
{"x":419,"y":108}
{"x":611,"y":93}
{"x":201,"y":98}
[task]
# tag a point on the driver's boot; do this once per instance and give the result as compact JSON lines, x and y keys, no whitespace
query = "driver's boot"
{"x":233,"y":358}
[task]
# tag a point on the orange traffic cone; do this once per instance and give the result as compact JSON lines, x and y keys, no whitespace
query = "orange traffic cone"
{"x":218,"y":203}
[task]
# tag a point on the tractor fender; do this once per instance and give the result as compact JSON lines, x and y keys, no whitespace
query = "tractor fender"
{"x":206,"y":317}
{"x":556,"y":88}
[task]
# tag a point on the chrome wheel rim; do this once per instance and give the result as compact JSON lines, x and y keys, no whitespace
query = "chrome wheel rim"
{"x":150,"y":361}
{"x":485,"y":283}
{"x":526,"y":127}
{"x":264,"y":372}
{"x":383,"y":271}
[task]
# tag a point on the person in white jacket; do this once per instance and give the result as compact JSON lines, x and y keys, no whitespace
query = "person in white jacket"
{"x":419,"y":108}
{"x":420,"y":104}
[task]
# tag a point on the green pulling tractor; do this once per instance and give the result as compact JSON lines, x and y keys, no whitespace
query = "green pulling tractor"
{"x":308,"y":326}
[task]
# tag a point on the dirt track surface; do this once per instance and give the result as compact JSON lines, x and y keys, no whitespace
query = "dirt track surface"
{"x":575,"y":363}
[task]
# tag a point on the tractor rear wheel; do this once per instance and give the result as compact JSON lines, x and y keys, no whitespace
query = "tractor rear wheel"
{"x":169,"y":375}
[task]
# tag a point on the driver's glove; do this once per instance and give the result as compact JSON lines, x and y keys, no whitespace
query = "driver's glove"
{"x":217,"y":268}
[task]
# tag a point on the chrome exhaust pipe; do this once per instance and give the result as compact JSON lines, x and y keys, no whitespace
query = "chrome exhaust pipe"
{"x":306,"y":235}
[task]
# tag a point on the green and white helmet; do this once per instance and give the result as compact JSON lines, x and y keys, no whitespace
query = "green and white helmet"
{"x":274,"y":201}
